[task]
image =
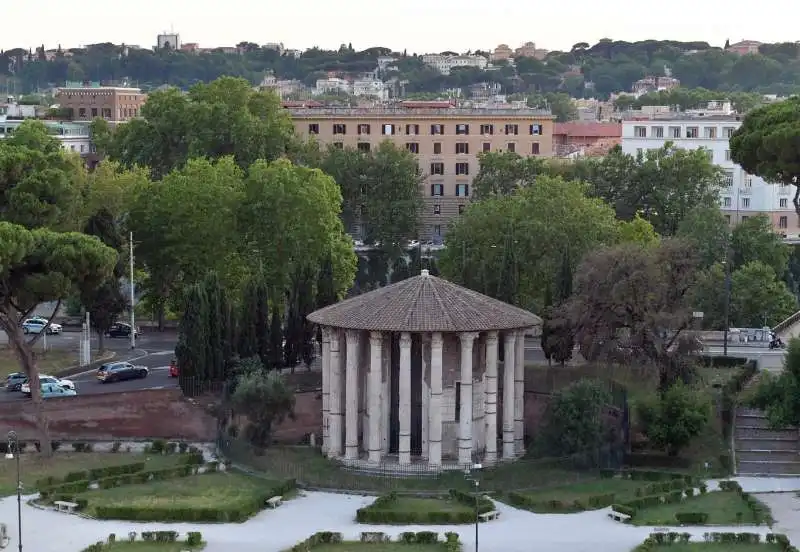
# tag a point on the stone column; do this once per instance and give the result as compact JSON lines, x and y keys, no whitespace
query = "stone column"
{"x":465,"y":414}
{"x":404,"y":410}
{"x":374,"y":404}
{"x":351,"y":397}
{"x":519,"y":394}
{"x":386,"y":400}
{"x":435,"y":405}
{"x":326,"y":387}
{"x":335,"y":399}
{"x":491,"y":398}
{"x":508,"y":395}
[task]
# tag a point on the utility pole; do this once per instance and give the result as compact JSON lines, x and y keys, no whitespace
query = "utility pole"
{"x":133,"y":296}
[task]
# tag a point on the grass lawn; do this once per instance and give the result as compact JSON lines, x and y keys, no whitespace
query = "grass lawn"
{"x":310,"y":467}
{"x":426,"y":504}
{"x":623,"y":489}
{"x":720,"y":547}
{"x":34,"y":466}
{"x":201,"y":491}
{"x":720,"y":506}
{"x":49,"y":362}
{"x":140,"y":546}
{"x":380,"y":547}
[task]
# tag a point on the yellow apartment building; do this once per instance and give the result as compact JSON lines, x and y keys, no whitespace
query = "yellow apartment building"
{"x":446,"y":141}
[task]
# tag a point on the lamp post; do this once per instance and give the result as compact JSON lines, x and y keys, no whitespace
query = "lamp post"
{"x":727,"y":306}
{"x":474,"y":478}
{"x":12,"y":453}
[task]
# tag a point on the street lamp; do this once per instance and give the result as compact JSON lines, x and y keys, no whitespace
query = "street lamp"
{"x":12,"y":452}
{"x":727,"y":306}
{"x":474,"y":479}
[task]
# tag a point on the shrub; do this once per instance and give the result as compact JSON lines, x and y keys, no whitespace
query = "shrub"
{"x":182,"y":447}
{"x":194,"y":538}
{"x":78,"y":447}
{"x":115,"y":446}
{"x":170,"y":448}
{"x":158,"y":446}
{"x":691,"y":518}
{"x":380,"y":511}
{"x":670,"y":420}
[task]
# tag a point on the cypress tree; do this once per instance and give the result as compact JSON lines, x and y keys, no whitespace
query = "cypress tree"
{"x":214,"y":330}
{"x":246,"y":338}
{"x":227,"y":330}
{"x":262,"y":321}
{"x":275,"y":340}
{"x":190,"y":350}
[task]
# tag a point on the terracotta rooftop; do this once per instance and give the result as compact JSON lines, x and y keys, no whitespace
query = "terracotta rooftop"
{"x":424,"y":303}
{"x":597,"y":130}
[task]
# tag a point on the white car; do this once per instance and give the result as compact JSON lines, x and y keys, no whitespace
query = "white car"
{"x":36,"y":325}
{"x":43,"y":379}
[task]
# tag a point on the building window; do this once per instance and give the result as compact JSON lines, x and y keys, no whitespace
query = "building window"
{"x":727,"y":179}
{"x":727,"y":132}
{"x":339,"y":129}
{"x":437,"y":168}
{"x":437,"y":148}
{"x":437,"y":208}
{"x":784,"y":203}
{"x":710,"y":132}
{"x":338,"y":145}
{"x":462,"y":190}
{"x":744,"y":218}
{"x":461,"y":209}
{"x":313,"y":129}
{"x":363,"y":147}
{"x":487,"y":130}
{"x":748,"y":182}
{"x":437,"y":230}
{"x":657,"y":132}
{"x":387,"y":130}
{"x":82,"y":112}
{"x":745,"y":202}
{"x":512,"y":129}
{"x":726,"y":202}
{"x":674,"y":132}
{"x":462,"y":148}
{"x":535,"y":148}
{"x":363,"y":129}
{"x":487,"y":147}
{"x":462,"y":129}
{"x":727,"y":155}
{"x":640,"y":132}
{"x":412,"y":130}
{"x":783,"y":222}
{"x":437,"y":130}
{"x":94,"y":112}
{"x":462,"y":168}
{"x":728,"y":219}
{"x":437,"y":190}
{"x":692,"y":132}
{"x":106,"y":111}
{"x":535,"y":130}
{"x":413,"y":147}
{"x":511,"y":147}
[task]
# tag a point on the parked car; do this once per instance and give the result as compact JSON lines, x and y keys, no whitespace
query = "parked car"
{"x":120,"y":371}
{"x":173,"y":368}
{"x":46,"y":380}
{"x":52,"y":390}
{"x":121,"y":329}
{"x":14,"y":381}
{"x":36,"y":325}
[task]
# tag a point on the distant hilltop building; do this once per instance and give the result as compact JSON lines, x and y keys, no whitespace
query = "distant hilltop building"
{"x":744,"y":47}
{"x":168,"y":41}
{"x":445,"y":63}
{"x":654,"y":84}
{"x":504,"y":53}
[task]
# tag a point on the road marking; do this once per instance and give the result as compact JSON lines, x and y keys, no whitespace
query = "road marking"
{"x":162,"y":353}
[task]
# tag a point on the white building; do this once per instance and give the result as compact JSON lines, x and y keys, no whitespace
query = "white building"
{"x":73,"y":135}
{"x":168,"y":41}
{"x":743,"y":195}
{"x":370,"y":87}
{"x":444,"y":64}
{"x":332,"y":85}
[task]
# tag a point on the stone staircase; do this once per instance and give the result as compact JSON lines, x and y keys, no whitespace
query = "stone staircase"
{"x":764,"y":451}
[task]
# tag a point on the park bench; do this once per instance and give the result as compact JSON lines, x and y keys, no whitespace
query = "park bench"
{"x":489,"y":516}
{"x":64,"y":506}
{"x":275,"y":501}
{"x":617,"y":516}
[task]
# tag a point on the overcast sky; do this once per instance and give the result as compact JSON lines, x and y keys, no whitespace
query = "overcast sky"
{"x":417,"y":25}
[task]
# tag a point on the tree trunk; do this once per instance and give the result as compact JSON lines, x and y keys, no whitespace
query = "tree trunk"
{"x":101,"y":341}
{"x":27,"y":358}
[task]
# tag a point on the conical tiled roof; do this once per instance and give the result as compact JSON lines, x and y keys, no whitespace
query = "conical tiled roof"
{"x":424,"y":303}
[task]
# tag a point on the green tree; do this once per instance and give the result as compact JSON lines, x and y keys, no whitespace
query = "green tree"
{"x":191,"y":351}
{"x":276,"y":339}
{"x":766,"y":144}
{"x":779,"y":395}
{"x":265,"y":399}
{"x":558,"y":339}
{"x":214,"y":330}
{"x":247,"y":340}
{"x":501,"y":173}
{"x":575,"y":420}
{"x":758,"y":298}
{"x":706,"y":229}
{"x":41,"y":260}
{"x":511,"y":246}
{"x":754,"y":240}
{"x":672,"y":419}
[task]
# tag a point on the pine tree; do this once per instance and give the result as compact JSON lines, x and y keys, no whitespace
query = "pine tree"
{"x":190,"y":350}
{"x":558,"y":336}
{"x":305,"y":306}
{"x":276,"y":340}
{"x":214,"y":330}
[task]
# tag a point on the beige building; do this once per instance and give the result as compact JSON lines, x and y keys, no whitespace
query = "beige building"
{"x":112,"y":103}
{"x":446,"y":141}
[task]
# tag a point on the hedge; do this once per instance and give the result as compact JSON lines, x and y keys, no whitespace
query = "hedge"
{"x":408,"y":537}
{"x":193,"y":539}
{"x":761,"y":514}
{"x":381,"y":511}
{"x":667,"y":539}
{"x":238,"y":512}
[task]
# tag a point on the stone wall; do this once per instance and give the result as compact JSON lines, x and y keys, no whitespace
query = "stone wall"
{"x":144,"y":414}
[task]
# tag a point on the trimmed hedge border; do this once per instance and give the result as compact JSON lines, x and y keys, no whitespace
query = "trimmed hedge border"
{"x":380,"y":511}
{"x":663,"y":482}
{"x":656,"y":540}
{"x":408,"y":537}
{"x":193,"y":539}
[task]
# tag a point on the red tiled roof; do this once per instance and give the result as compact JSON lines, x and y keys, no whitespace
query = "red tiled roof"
{"x":595,"y":130}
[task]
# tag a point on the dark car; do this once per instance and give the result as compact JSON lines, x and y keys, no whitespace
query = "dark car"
{"x":120,"y":371}
{"x":14,"y":381}
{"x":120,"y":329}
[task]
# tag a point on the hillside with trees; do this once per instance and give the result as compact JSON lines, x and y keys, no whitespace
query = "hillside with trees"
{"x":585,"y":71}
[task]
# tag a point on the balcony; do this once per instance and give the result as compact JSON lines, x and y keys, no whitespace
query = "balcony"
{"x":746,"y":191}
